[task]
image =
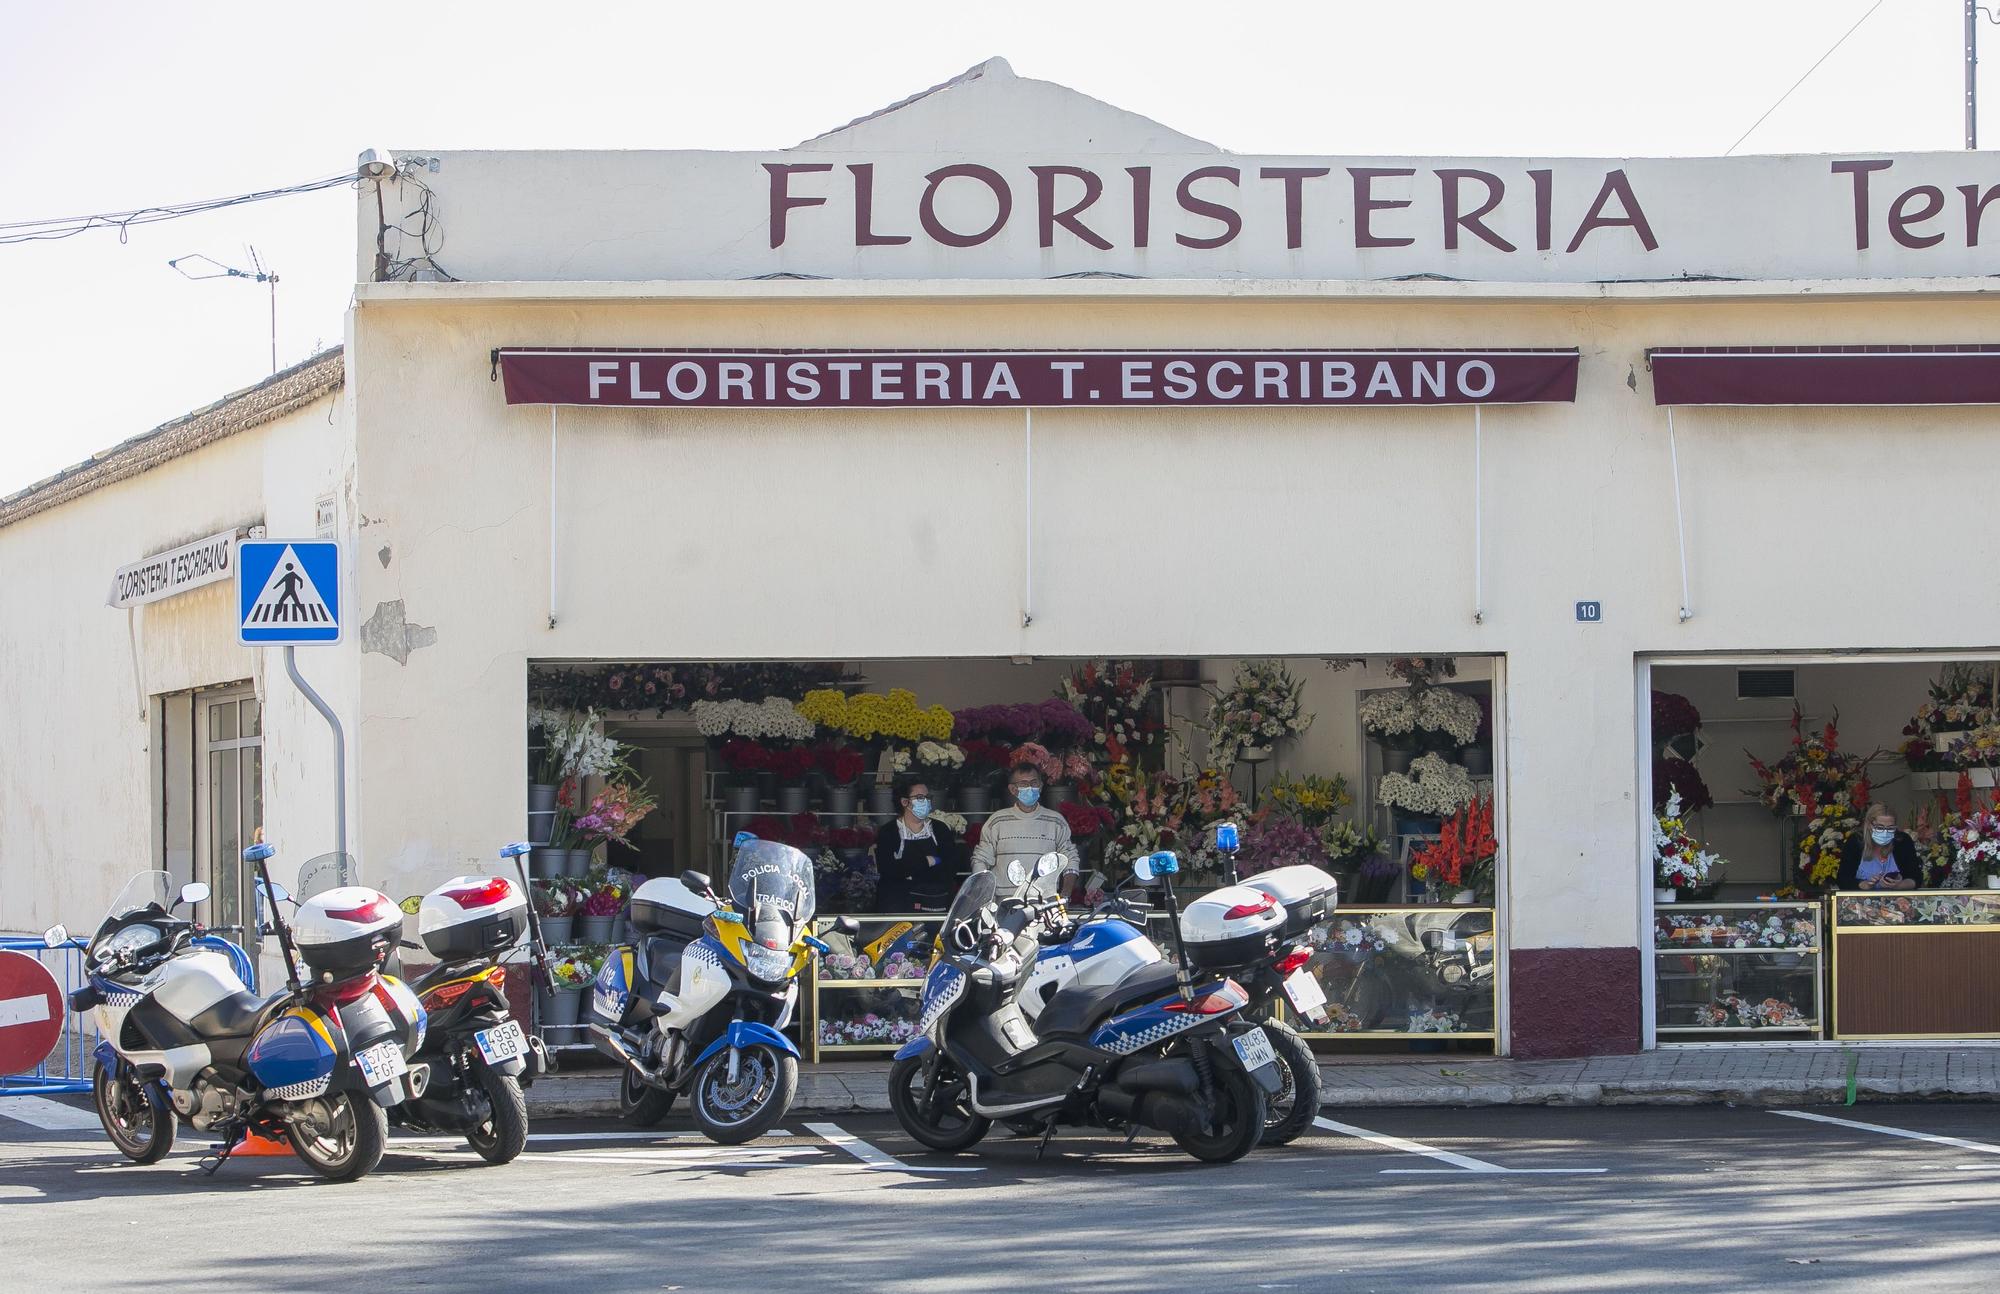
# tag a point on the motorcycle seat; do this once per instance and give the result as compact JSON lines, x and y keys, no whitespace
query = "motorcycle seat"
{"x":229,"y":1025}
{"x":660,"y":960}
{"x":1076,"y":1010}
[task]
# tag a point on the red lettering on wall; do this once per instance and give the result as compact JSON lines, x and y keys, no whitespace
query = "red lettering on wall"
{"x":1975,"y":209}
{"x":1231,"y":222}
{"x":1634,"y":218}
{"x":1294,"y":178}
{"x":1142,"y":205}
{"x":1496,"y":189}
{"x":1365,"y":204}
{"x":1860,"y":170}
{"x":1545,"y":204}
{"x":864,"y":210}
{"x":927,"y":216}
{"x":782,"y":200}
{"x":1900,"y":219}
{"x":1045,"y":201}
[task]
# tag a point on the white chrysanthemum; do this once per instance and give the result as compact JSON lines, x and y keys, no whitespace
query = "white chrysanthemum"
{"x":1389,"y":714}
{"x":1453,"y":713}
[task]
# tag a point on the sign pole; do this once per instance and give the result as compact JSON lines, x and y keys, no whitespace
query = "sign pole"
{"x":339,"y":749}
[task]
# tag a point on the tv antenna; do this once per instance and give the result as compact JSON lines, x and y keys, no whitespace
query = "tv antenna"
{"x":256,"y":274}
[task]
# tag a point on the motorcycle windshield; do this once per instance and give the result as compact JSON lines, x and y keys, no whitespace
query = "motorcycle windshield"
{"x":326,"y":872}
{"x":959,"y":928}
{"x":146,"y":890}
{"x":772,"y":882}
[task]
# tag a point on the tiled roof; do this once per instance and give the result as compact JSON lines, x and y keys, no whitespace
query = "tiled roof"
{"x":275,"y":396}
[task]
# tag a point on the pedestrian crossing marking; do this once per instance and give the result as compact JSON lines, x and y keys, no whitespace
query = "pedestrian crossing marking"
{"x":288,"y":591}
{"x":289,"y":596}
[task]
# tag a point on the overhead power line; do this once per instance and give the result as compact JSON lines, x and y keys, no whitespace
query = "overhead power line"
{"x":1802,"y":80}
{"x":29,"y":231}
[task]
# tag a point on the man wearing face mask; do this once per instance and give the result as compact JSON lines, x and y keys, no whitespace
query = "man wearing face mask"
{"x":916,"y":857}
{"x":1025,"y":830}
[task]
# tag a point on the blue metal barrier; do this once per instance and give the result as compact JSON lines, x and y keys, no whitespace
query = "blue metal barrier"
{"x":67,"y":1068}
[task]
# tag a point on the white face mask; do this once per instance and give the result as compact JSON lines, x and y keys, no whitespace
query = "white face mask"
{"x":1882,"y":835}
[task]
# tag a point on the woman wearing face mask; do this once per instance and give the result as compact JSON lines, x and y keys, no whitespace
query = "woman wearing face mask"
{"x":1879,"y":857}
{"x":916,"y":857}
{"x":1025,"y":830}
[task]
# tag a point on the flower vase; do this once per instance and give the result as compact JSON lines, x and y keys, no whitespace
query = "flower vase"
{"x":545,"y":863}
{"x":1413,"y":826}
{"x":1254,"y":754}
{"x":794,"y":798}
{"x":541,"y":812}
{"x":576,"y":862}
{"x":1062,"y":793}
{"x":1663,"y":896}
{"x":1396,"y":760}
{"x":740,"y":799}
{"x":561,"y":1007}
{"x":1464,"y":897}
{"x":882,"y":801}
{"x":840,"y":800}
{"x":557,"y":930}
{"x":1478,"y":760}
{"x":1993,"y":882}
{"x":975,"y":797}
{"x":595,"y":930}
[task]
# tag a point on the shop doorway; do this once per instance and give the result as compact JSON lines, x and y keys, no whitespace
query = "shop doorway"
{"x":229,"y":807}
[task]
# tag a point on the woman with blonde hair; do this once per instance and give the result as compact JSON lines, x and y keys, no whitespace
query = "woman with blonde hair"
{"x":1879,"y":857}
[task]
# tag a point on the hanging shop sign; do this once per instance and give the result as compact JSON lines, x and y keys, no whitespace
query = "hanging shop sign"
{"x":988,"y":379}
{"x":205,"y":561}
{"x":1827,"y":375}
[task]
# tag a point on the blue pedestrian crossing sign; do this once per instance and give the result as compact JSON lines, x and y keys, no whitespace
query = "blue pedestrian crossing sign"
{"x":288,"y":592}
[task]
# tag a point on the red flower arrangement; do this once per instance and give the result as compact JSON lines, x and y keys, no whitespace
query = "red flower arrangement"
{"x":841,"y":764}
{"x":850,"y":837}
{"x":1085,"y":820}
{"x":800,"y":830}
{"x":1463,"y":856}
{"x":980,"y":753}
{"x":607,"y":902}
{"x":741,"y":755}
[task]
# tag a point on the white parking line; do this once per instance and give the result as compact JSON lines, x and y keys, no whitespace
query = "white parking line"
{"x":49,"y":1116}
{"x":446,"y":1139}
{"x":1982,"y":1147}
{"x":1459,"y":1163}
{"x":871,"y":1157}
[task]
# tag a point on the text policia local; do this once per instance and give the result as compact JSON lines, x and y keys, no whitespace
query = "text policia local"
{"x":1039,"y":380}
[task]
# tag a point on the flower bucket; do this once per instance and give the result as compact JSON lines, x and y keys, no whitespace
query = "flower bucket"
{"x":882,"y":801}
{"x":556,"y":930}
{"x":794,"y":798}
{"x":841,"y":799}
{"x":1993,"y":882}
{"x":1061,"y":794}
{"x":740,"y":799}
{"x":561,"y":1007}
{"x":1396,"y":761}
{"x":1406,"y":826}
{"x":541,"y":797}
{"x":1478,"y":760}
{"x":1254,"y":754}
{"x":1464,"y":897}
{"x":975,"y":797}
{"x":545,"y":863}
{"x":575,"y":862}
{"x":541,"y":813}
{"x":1664,"y":896}
{"x":595,"y":930}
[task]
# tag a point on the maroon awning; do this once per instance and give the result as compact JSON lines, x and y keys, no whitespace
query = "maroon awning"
{"x":1826,"y":375}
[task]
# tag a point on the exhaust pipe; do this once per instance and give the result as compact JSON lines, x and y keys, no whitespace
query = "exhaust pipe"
{"x":613,"y":1046}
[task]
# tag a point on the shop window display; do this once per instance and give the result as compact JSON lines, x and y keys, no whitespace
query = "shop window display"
{"x":1731,"y":967}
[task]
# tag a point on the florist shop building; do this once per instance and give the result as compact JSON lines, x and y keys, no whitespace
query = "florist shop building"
{"x":1404,"y":510}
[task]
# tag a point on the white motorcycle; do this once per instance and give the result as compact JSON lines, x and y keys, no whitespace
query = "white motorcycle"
{"x":184,"y":1040}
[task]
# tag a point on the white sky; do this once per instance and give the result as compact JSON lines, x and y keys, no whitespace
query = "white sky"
{"x":111,"y":106}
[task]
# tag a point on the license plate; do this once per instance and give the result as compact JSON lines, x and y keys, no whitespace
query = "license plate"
{"x":381,"y":1063}
{"x":1304,"y":992}
{"x":503,"y":1042}
{"x":1253,"y":1049}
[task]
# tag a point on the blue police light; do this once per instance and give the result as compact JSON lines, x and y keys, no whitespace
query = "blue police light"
{"x":515,"y":850}
{"x":743,"y":838}
{"x":1226,"y":838}
{"x":257,"y":853}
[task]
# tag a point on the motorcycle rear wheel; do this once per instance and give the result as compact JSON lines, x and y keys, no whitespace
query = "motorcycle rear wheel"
{"x":640,"y":1102}
{"x":767,"y":1080}
{"x":505,"y":1132}
{"x":1289,"y":1113}
{"x":958,"y":1129}
{"x":134,"y":1117}
{"x":356,"y":1133}
{"x":1239,"y":1118}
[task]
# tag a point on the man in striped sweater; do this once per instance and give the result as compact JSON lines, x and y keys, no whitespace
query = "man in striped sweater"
{"x":1025,"y":830}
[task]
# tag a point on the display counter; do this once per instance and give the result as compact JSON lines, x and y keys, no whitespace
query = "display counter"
{"x":1916,"y":964}
{"x":1728,"y":969}
{"x":1406,"y":972}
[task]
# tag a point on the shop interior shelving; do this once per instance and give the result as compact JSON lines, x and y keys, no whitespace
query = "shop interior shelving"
{"x":1691,"y":977}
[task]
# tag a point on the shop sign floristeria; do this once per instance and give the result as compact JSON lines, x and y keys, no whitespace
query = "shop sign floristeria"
{"x":205,"y":561}
{"x":988,"y":379}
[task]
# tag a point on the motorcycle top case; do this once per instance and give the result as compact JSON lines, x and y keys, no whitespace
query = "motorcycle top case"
{"x":665,"y":906}
{"x":347,"y":931}
{"x":472,"y":916}
{"x":1309,"y":894}
{"x":1231,"y":926}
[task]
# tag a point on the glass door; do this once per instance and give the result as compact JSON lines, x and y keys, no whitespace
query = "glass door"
{"x":230,"y":805}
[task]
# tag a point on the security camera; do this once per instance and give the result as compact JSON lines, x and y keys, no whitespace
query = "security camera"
{"x":376,"y":164}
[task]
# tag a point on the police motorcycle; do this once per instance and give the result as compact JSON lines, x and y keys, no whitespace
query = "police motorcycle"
{"x":1154,"y":1049}
{"x":698,"y":1003}
{"x":317,"y":1063}
{"x":480,"y":1057}
{"x":1255,"y":934}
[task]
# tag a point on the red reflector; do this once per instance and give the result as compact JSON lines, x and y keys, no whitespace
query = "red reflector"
{"x":347,"y":990}
{"x":1263,"y":904}
{"x":372,"y":910}
{"x":484,"y":895}
{"x":1292,"y":960}
{"x":446,"y":995}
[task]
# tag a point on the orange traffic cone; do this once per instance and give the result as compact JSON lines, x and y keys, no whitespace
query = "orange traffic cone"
{"x":253,"y":1144}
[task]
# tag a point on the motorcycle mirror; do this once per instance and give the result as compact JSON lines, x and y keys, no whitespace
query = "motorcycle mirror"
{"x":277,"y":892}
{"x":55,"y":936}
{"x":847,"y":926}
{"x":696,"y":881}
{"x":194,"y":892}
{"x":1049,"y":864}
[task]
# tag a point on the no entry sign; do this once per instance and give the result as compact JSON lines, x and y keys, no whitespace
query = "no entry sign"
{"x":31,"y":1013}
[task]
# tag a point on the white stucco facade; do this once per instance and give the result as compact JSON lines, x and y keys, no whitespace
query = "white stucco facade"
{"x":517,"y":533}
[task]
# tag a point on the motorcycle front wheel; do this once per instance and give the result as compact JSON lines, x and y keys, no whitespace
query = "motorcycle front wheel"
{"x":745,"y":1108}
{"x":949,"y":1123}
{"x":340,"y":1136}
{"x":1289,"y":1112}
{"x":1238,"y":1122}
{"x":134,"y":1116}
{"x":504,"y":1134}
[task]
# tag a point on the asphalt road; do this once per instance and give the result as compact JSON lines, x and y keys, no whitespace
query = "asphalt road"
{"x":1691,"y":1198}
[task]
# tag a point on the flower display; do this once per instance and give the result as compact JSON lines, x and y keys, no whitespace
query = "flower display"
{"x":608,"y":900}
{"x":1113,"y":696}
{"x":867,"y":716}
{"x":1422,"y":671}
{"x":1960,"y":710}
{"x":1975,"y":837}
{"x":660,"y":687}
{"x":1464,"y":853}
{"x":1433,"y":1020}
{"x":1347,"y":845}
{"x":1261,"y":705}
{"x":553,"y":900}
{"x":1085,"y":820}
{"x":840,"y":764}
{"x":1731,"y":1011}
{"x":1679,"y":863}
{"x":1673,"y":776}
{"x":940,"y":755}
{"x":1787,"y":928}
{"x":1312,"y":799}
{"x":574,"y":969}
{"x":983,"y":754}
{"x":1053,"y":722}
{"x":573,"y":746}
{"x":868,"y":1030}
{"x":773,"y":717}
{"x":1389,"y":716}
{"x":1826,"y":786}
{"x":1041,"y":757}
{"x":1164,"y":811}
{"x":955,"y":821}
{"x":1454,"y":715}
{"x":1433,"y":788}
{"x":1673,"y":716}
{"x":1921,"y":910}
{"x":1274,"y":840}
{"x":613,"y":813}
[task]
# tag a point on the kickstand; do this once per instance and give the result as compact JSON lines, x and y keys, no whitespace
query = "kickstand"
{"x":212,"y":1162}
{"x":1131,"y":1134}
{"x":1048,"y":1131}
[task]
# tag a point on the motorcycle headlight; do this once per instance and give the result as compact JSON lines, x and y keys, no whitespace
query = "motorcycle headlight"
{"x":770,"y":964}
